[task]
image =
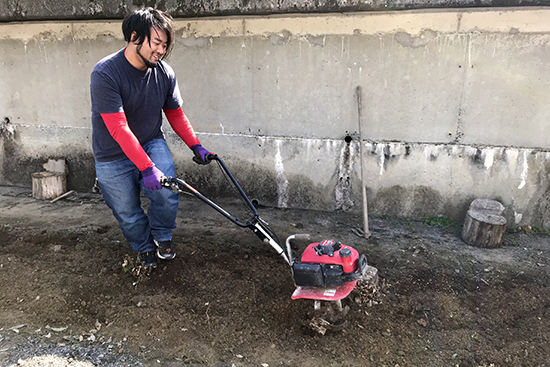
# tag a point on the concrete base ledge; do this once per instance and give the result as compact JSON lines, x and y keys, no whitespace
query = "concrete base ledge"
{"x":403,"y":179}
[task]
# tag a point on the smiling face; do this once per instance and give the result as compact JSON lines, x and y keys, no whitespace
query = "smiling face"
{"x":147,"y":54}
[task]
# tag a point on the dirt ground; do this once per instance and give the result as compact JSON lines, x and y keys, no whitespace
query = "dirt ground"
{"x":225,"y":299}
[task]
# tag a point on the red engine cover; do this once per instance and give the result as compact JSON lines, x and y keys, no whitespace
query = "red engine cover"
{"x":320,"y":253}
{"x":328,"y":252}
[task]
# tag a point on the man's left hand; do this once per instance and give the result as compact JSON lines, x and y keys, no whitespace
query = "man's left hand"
{"x":201,"y":154}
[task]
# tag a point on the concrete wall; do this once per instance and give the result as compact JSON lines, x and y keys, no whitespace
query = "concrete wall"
{"x":19,"y":10}
{"x":454,"y":106}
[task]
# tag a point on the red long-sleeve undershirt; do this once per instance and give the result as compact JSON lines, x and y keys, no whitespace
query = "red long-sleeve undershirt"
{"x":118,"y":127}
{"x":181,"y":125}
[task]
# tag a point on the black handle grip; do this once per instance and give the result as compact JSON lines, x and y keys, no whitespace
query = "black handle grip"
{"x":209,"y":158}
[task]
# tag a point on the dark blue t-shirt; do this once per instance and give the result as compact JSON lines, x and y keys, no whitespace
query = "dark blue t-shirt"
{"x":117,"y":86}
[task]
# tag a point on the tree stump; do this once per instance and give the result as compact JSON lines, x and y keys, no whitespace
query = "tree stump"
{"x":487,"y":206}
{"x":483,"y":229}
{"x":48,"y":185}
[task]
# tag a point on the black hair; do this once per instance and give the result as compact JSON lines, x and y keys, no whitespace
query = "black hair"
{"x":141,"y":21}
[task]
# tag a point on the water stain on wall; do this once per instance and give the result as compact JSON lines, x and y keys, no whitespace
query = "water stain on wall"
{"x":280,"y":38}
{"x":11,"y":167}
{"x":407,"y":201}
{"x":343,"y":189}
{"x":407,"y":40}
{"x":386,"y":153}
{"x":317,"y":40}
{"x":282,"y":181}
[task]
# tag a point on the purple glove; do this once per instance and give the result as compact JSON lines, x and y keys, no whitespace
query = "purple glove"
{"x":201,"y":154}
{"x":151,"y":178}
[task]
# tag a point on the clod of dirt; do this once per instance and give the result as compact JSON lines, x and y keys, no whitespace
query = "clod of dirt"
{"x":367,"y":293}
{"x":328,"y":318}
{"x":319,"y":325}
{"x":135,"y":267}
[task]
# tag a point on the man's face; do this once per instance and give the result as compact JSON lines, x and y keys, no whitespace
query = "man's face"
{"x":152,"y":50}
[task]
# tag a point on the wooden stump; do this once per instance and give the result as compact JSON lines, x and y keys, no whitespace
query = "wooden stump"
{"x":487,"y":206}
{"x":483,"y":229}
{"x":48,"y":185}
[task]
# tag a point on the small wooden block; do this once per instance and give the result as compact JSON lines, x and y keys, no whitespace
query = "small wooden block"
{"x":48,"y":185}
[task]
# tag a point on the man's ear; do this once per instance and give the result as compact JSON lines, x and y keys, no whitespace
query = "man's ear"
{"x":133,"y":37}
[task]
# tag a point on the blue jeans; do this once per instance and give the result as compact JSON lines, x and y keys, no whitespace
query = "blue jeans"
{"x":121,"y":182}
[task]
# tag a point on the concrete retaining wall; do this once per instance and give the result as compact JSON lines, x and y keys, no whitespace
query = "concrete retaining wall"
{"x":454,"y":106}
{"x":22,"y":10}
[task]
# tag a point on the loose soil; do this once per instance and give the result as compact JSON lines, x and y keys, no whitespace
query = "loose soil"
{"x":225,"y":299}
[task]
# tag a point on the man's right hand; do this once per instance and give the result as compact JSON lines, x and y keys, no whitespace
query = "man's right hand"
{"x":151,"y":178}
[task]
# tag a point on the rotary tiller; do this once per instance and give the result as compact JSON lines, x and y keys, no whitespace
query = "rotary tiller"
{"x":327,"y":270}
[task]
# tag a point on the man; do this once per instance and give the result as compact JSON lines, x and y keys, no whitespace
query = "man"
{"x":129,"y":91}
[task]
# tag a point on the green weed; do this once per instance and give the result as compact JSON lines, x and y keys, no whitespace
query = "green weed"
{"x":440,"y":221}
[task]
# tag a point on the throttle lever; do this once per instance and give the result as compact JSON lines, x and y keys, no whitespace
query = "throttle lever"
{"x":170,"y":183}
